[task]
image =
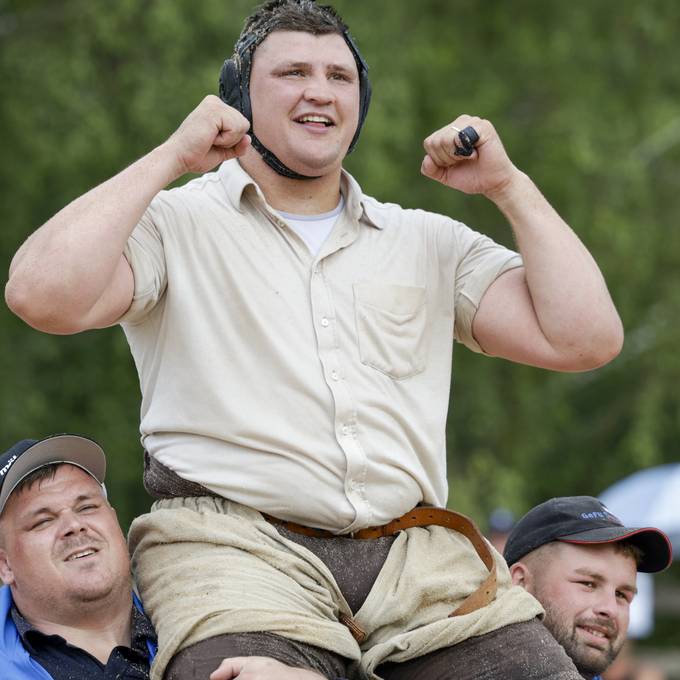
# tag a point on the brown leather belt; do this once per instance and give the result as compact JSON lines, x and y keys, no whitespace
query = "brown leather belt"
{"x":419,"y":517}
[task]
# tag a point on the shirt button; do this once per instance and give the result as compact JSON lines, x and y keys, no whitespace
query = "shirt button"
{"x":324,"y":322}
{"x":346,"y":429}
{"x":335,"y":375}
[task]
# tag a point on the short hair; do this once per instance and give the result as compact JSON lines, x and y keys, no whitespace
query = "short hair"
{"x":291,"y":15}
{"x":37,"y":476}
{"x":45,"y":472}
{"x":630,"y":550}
{"x":542,"y":554}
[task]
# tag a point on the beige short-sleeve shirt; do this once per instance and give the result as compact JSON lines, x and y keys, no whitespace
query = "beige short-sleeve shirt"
{"x":313,"y":388}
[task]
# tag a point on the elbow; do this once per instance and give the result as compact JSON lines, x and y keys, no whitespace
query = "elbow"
{"x":605,"y":353}
{"x":38,"y":309}
{"x":18,"y":299}
{"x":617,"y":339}
{"x":604,"y":347}
{"x":610,"y":343}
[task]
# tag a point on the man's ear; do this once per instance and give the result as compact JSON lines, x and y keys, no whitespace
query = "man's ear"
{"x":521,"y":576}
{"x":6,"y":573}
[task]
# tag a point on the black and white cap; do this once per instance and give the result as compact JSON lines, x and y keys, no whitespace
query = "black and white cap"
{"x":30,"y":454}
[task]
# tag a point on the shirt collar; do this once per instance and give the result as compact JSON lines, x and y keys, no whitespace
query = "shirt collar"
{"x":28,"y":633}
{"x":357,"y":204}
{"x":22,"y":625}
{"x":142,"y":630}
{"x":235,"y":180}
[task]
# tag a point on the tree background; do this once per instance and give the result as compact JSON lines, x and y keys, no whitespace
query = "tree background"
{"x":586,"y":98}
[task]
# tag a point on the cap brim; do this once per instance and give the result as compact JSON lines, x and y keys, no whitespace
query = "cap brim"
{"x":655,"y":545}
{"x":63,"y":448}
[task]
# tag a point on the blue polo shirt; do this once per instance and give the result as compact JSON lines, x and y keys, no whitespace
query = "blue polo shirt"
{"x":28,"y":654}
{"x":64,"y":661}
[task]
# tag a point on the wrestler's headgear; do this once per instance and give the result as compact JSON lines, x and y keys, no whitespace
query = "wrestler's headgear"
{"x":235,"y":73}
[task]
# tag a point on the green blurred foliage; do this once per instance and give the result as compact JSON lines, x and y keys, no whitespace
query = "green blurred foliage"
{"x":586,"y":96}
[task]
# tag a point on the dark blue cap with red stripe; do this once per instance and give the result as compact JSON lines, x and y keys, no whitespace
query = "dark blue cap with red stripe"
{"x":584,"y":520}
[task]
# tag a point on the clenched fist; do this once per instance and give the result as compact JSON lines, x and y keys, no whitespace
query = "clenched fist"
{"x":213,"y":132}
{"x":487,"y":170}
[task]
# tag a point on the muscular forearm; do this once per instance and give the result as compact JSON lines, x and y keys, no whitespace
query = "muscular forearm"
{"x":65,"y":267}
{"x":569,"y":295}
{"x":555,"y":312}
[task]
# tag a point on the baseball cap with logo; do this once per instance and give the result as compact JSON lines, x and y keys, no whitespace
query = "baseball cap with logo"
{"x":30,"y":454}
{"x":584,"y":520}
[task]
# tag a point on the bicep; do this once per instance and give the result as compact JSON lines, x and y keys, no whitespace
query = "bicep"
{"x":115,"y":300}
{"x":505,"y":324}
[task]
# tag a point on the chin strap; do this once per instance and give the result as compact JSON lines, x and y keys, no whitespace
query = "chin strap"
{"x":274,"y":163}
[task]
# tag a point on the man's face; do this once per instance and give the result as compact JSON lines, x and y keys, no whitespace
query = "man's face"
{"x":304,"y":91}
{"x":61,"y":545}
{"x":586,"y":592}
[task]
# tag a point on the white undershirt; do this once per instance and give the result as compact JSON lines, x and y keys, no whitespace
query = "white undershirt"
{"x":314,"y":229}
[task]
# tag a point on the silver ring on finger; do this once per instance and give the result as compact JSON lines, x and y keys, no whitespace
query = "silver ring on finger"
{"x":453,"y":151}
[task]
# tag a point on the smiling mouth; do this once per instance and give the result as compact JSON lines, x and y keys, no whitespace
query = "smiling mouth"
{"x":316,"y":120}
{"x":596,"y":636}
{"x":81,"y":554}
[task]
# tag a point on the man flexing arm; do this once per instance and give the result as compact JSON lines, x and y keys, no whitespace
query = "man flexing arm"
{"x":555,"y":312}
{"x":70,"y":275}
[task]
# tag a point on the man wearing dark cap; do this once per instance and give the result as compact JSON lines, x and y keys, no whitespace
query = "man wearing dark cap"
{"x":293,"y":338}
{"x":580,"y":563}
{"x":66,"y":609}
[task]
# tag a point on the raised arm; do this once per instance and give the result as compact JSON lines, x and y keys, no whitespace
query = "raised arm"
{"x":555,"y":312}
{"x":70,"y":274}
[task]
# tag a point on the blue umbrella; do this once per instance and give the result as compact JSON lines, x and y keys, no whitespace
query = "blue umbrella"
{"x":649,"y":498}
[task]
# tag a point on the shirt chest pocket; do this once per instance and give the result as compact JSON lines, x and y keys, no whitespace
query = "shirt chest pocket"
{"x":391,"y":325}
